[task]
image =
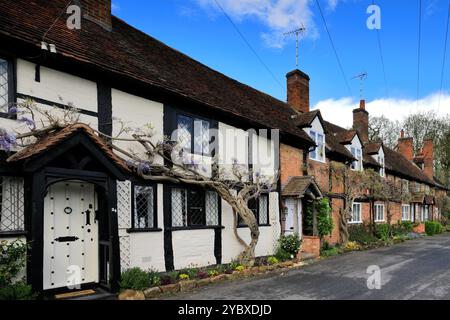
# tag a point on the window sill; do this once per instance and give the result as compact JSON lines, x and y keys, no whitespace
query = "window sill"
{"x":380,"y":221}
{"x":12,"y":234}
{"x":355,"y":222}
{"x":134,"y":230}
{"x":194,"y":228}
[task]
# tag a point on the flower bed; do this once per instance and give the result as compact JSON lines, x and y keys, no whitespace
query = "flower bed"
{"x":192,"y":278}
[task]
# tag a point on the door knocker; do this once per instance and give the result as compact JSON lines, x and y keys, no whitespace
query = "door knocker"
{"x":68,"y":210}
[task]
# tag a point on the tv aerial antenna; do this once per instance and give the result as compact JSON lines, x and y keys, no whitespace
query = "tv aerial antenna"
{"x":362,"y":77}
{"x":297,"y":33}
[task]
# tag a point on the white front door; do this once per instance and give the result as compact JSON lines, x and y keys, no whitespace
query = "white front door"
{"x":70,"y":235}
{"x":292,"y":216}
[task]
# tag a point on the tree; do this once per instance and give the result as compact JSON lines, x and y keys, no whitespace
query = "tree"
{"x":178,"y":165}
{"x":383,"y":129}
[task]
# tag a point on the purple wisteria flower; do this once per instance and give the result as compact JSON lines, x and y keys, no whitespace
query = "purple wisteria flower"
{"x":29,"y":122}
{"x":144,"y":167}
{"x":7,"y":140}
{"x":12,"y":110}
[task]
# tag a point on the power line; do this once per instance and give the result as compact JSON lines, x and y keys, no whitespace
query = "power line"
{"x":56,"y":20}
{"x":444,"y":58}
{"x":418,"y":52}
{"x":334,"y":48}
{"x":248,"y":43}
{"x":382,"y":59}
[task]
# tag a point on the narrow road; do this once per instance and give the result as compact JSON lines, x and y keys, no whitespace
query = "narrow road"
{"x":417,"y":269}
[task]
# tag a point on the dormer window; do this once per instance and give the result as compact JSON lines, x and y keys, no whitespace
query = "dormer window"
{"x":357,"y":153}
{"x":318,"y":153}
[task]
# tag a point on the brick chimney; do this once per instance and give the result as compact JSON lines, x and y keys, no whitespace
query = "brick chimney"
{"x":406,"y":146}
{"x":428,"y":156}
{"x":361,"y":121}
{"x":97,"y":11}
{"x":298,"y":90}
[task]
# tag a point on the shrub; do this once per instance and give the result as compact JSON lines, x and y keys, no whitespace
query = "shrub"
{"x":191,"y":272}
{"x":213,"y":273}
{"x":282,"y":255}
{"x":202,"y":274}
{"x":12,"y":260}
{"x":325,"y":245}
{"x":325,"y":223}
{"x":402,"y":228}
{"x":272,"y":260}
{"x":433,"y":227}
{"x":135,"y":279}
{"x":361,"y":234}
{"x":240,"y":268}
{"x":184,"y":276}
{"x":17,"y":291}
{"x":382,"y":231}
{"x":352,"y":246}
{"x":290,"y":244}
{"x":261,"y":261}
{"x":330,"y":252}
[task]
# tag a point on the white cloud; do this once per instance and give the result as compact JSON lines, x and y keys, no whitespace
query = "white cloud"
{"x":279,"y":16}
{"x":339,"y":111}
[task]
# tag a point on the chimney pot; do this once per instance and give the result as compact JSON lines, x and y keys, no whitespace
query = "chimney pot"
{"x":361,"y":121}
{"x":298,"y":90}
{"x":362,"y":104}
{"x":402,"y":134}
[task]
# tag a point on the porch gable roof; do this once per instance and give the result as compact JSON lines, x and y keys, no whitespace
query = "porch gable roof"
{"x":297,"y":187}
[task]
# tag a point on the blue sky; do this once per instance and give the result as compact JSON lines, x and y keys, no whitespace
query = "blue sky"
{"x":200,"y":29}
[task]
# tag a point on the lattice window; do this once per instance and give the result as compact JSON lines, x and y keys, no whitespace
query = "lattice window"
{"x":124,"y":204}
{"x":191,"y":208}
{"x":184,"y":133}
{"x":263,"y":216}
{"x":260,"y":208}
{"x":4,"y":81}
{"x":193,"y":134}
{"x":125,"y":255}
{"x":11,"y":204}
{"x":179,"y":217}
{"x":212,"y":208}
{"x":144,"y":209}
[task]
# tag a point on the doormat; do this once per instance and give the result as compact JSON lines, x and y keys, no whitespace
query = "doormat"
{"x":75,"y":294}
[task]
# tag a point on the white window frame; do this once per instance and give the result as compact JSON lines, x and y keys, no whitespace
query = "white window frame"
{"x":408,"y":213}
{"x":383,"y":168}
{"x":377,"y":207}
{"x":314,"y":154}
{"x":359,"y":221}
{"x":357,"y":153}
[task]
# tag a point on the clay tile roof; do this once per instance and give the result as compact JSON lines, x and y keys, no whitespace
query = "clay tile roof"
{"x":297,"y":186}
{"x":304,"y":120}
{"x":397,"y":163}
{"x":372,"y":147}
{"x":345,"y":137}
{"x":333,"y":144}
{"x":139,"y":59}
{"x":370,"y":161}
{"x":53,"y":140}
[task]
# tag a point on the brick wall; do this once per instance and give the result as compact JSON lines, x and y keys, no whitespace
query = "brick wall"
{"x":311,"y":245}
{"x":291,"y":162}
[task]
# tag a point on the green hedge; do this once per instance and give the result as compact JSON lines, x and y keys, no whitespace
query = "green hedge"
{"x":382,"y":231}
{"x":361,"y":234}
{"x":433,"y":227}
